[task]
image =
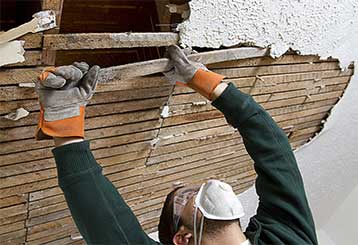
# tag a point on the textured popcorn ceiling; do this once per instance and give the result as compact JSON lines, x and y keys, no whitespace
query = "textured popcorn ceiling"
{"x":324,"y":27}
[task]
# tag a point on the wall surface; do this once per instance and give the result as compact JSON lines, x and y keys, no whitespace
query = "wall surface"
{"x":329,"y":163}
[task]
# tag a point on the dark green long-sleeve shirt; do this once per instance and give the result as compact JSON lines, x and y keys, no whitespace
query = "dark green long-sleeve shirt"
{"x":283,"y":215}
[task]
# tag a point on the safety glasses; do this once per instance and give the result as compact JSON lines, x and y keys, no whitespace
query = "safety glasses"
{"x":181,"y":198}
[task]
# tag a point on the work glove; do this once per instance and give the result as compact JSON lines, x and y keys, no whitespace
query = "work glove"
{"x":194,"y":75}
{"x":63,"y":94}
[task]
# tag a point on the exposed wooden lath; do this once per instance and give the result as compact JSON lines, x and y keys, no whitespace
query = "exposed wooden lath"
{"x":122,"y":121}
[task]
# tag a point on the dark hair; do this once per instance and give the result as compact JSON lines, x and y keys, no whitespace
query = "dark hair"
{"x":214,"y":227}
{"x":166,"y":229}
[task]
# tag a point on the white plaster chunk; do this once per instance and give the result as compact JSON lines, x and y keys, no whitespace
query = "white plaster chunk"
{"x":12,"y":52}
{"x":165,"y":112}
{"x":326,"y":27}
{"x":154,"y":141}
{"x":46,"y":20}
{"x":17,"y":115}
{"x":75,"y":238}
{"x":199,"y":103}
{"x":27,"y":85}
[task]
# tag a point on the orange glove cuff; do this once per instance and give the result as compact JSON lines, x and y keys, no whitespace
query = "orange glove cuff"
{"x":69,"y":127}
{"x":45,"y":73}
{"x":204,"y":82}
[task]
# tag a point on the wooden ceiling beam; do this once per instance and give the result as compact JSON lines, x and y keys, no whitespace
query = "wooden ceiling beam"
{"x":48,"y":55}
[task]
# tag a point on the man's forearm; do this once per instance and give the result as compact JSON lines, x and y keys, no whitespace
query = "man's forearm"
{"x":98,"y":209}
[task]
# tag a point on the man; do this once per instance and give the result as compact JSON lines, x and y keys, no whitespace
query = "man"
{"x":208,"y":214}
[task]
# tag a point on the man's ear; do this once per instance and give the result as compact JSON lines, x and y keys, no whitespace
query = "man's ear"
{"x":182,"y":237}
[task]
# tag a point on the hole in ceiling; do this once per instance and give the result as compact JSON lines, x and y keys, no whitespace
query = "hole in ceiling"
{"x":83,"y":16}
{"x":16,"y":12}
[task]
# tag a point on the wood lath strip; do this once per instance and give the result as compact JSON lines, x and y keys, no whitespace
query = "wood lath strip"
{"x":109,"y":40}
{"x":116,"y":74}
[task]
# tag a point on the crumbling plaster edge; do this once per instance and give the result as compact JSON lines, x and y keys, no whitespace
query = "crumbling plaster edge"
{"x":334,"y":116}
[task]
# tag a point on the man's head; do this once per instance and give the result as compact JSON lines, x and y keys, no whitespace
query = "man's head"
{"x":214,"y":207}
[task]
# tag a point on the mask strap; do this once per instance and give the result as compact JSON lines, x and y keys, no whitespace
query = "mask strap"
{"x":201,"y":229}
{"x":195,"y":234}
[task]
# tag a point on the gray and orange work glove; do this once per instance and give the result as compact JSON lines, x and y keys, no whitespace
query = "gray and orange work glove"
{"x":63,"y":94}
{"x":192,"y":74}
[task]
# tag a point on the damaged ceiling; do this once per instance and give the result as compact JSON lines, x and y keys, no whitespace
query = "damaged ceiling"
{"x":325,"y":27}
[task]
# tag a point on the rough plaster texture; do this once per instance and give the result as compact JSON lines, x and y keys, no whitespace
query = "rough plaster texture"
{"x":12,"y":52}
{"x":324,"y":27}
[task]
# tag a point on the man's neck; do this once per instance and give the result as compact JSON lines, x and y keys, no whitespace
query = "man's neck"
{"x":231,"y":236}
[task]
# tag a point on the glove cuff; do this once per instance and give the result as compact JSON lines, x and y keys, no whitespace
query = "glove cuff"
{"x":68,"y":127}
{"x":204,"y":82}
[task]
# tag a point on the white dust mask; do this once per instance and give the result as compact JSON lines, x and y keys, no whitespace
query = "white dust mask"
{"x":216,"y":200}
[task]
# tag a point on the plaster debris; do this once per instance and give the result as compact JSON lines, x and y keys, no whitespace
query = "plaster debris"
{"x":178,"y":184}
{"x":207,"y":137}
{"x":27,"y":85}
{"x":321,"y":86}
{"x":165,"y":112}
{"x":327,"y":27}
{"x":183,"y":10}
{"x":199,"y":103}
{"x":18,"y":114}
{"x":173,"y":135}
{"x":45,"y":20}
{"x":75,"y":238}
{"x":154,"y":141}
{"x":233,"y":130}
{"x":12,"y":52}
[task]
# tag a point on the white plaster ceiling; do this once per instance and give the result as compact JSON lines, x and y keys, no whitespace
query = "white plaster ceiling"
{"x":325,"y":27}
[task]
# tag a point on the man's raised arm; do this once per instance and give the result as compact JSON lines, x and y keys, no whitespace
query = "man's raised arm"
{"x":283,"y":215}
{"x":99,"y":211}
{"x":282,"y":198}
